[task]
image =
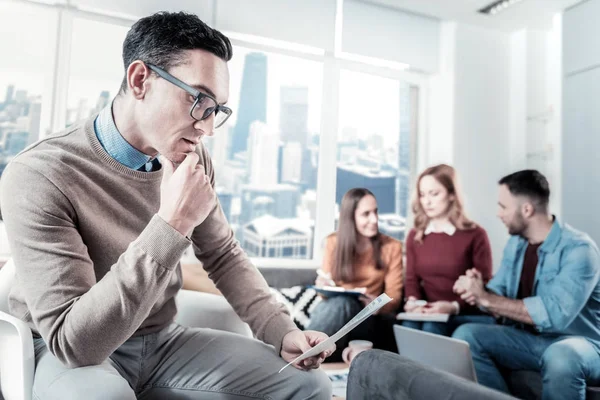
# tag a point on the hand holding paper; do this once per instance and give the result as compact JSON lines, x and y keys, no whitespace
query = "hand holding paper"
{"x":360,"y":317}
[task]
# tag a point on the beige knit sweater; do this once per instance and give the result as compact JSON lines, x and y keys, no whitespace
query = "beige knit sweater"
{"x":95,"y":265}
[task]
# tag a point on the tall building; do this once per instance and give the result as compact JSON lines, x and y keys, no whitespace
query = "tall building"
{"x":218,"y":145}
{"x":404,"y":193}
{"x":21,"y":96}
{"x":382,"y":183}
{"x":293,"y":117}
{"x":232,"y":175}
{"x":253,"y":100}
{"x":9,"y":94}
{"x":291,"y":161}
{"x":35,"y":115}
{"x":263,"y":154}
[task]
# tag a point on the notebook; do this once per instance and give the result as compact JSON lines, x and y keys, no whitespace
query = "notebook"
{"x":423,"y":317}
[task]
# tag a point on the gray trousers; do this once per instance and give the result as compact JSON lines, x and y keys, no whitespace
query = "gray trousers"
{"x":382,"y":375}
{"x":179,"y":363}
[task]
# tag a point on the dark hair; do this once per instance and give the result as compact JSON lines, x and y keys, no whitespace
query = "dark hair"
{"x":161,"y":39}
{"x":531,"y":184}
{"x":347,"y":238}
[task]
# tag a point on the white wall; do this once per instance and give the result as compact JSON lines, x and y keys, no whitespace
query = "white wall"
{"x":581,"y":118}
{"x":481,"y":146}
{"x":535,"y":85}
{"x":469,"y":119}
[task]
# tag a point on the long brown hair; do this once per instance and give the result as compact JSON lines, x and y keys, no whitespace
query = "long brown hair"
{"x":347,"y":238}
{"x":447,"y":177}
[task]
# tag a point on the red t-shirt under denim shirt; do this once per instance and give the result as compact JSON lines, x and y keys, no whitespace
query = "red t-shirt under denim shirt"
{"x":433,"y":266}
{"x":530,"y":261}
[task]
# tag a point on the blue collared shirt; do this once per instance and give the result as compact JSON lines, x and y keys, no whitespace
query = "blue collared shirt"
{"x":115,"y":144}
{"x":566,"y":289}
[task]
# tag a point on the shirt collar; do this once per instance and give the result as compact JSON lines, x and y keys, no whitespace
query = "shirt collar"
{"x":115,"y":144}
{"x":446,"y":228}
{"x":553,"y":237}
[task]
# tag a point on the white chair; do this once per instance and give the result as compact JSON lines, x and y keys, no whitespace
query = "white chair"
{"x":17,"y":360}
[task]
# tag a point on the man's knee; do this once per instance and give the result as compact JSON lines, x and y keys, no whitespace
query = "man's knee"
{"x":473,"y":334}
{"x":562,"y":361}
{"x":468,"y":333}
{"x":313,"y":384}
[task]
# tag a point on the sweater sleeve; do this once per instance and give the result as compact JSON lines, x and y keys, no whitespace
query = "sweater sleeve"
{"x":237,"y":278}
{"x":82,"y":320}
{"x":412,"y":284}
{"x":393,"y":279}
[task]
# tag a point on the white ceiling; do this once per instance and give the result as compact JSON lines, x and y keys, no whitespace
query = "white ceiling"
{"x":533,"y":14}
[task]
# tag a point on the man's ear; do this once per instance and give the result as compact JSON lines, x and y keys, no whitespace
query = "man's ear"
{"x":527,"y":209}
{"x":137,"y":79}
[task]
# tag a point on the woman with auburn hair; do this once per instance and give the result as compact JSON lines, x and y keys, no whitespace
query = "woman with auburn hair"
{"x":443,"y":244}
{"x":359,"y":256}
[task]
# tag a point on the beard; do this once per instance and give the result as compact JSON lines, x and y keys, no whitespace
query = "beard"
{"x":517,"y":226}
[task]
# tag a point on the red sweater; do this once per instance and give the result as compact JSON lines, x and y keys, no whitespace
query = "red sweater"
{"x":434,"y":265}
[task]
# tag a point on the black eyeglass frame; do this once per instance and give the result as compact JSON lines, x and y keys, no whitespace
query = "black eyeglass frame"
{"x":198,"y":95}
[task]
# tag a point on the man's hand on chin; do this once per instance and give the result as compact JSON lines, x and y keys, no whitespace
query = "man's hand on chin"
{"x":297,"y":342}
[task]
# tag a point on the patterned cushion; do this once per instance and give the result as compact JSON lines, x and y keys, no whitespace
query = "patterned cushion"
{"x":300,"y":302}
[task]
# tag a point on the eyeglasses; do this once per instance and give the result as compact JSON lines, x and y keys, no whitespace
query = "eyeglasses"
{"x":204,"y":104}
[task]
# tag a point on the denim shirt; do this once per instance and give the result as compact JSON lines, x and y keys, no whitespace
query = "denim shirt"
{"x":566,"y":289}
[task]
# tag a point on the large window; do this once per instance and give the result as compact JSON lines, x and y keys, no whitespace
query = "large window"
{"x":266,"y":157}
{"x":96,"y":68}
{"x":26,"y":70}
{"x":376,"y":119}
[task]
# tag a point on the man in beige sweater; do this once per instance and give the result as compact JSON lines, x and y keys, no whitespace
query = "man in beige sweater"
{"x":97,"y":228}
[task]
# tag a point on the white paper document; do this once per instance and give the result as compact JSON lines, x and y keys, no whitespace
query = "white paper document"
{"x":423,"y":317}
{"x":372,"y":307}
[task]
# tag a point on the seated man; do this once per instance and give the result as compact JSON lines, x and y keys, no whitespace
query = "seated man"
{"x":546,"y":292}
{"x":97,"y":228}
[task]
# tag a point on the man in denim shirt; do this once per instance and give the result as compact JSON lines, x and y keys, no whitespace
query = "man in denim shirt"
{"x":546,"y":292}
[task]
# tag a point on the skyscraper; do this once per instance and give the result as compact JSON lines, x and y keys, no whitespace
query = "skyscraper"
{"x":9,"y":94}
{"x":291,"y":160}
{"x":293,"y":118}
{"x":21,"y":96}
{"x":218,"y":145}
{"x":253,"y":100}
{"x":263,"y":154}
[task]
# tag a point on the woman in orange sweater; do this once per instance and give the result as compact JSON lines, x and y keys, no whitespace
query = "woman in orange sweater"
{"x":356,"y":256}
